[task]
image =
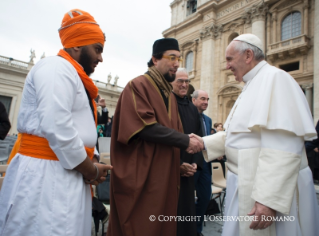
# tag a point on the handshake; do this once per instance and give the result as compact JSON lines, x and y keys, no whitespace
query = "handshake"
{"x":196,"y":144}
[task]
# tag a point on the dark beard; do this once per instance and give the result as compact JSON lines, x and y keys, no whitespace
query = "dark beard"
{"x":86,"y":61}
{"x":169,"y":78}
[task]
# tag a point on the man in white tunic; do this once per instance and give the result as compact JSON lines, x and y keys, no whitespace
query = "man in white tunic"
{"x":46,"y":190}
{"x":268,"y":173}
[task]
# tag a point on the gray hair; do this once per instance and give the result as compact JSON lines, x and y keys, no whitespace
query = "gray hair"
{"x":195,"y":94}
{"x":183,"y":70}
{"x":243,"y":46}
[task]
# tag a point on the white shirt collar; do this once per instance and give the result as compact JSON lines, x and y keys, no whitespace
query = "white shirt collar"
{"x":251,"y":74}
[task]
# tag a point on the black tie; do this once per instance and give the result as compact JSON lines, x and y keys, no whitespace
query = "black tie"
{"x":202,"y":124}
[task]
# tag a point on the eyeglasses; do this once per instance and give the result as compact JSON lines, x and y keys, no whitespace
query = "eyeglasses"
{"x":181,"y":81}
{"x":173,"y":58}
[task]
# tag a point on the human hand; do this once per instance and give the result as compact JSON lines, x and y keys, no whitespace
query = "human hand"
{"x":316,"y":150}
{"x":219,"y":158}
{"x":187,"y":170}
{"x":194,"y":166}
{"x":101,"y":102}
{"x":260,"y":213}
{"x":195,"y":145}
{"x":103,"y":172}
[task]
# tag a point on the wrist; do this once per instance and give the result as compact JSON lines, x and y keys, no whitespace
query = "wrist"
{"x":89,"y":181}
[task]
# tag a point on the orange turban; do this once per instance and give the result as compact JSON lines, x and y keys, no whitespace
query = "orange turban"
{"x":78,"y":29}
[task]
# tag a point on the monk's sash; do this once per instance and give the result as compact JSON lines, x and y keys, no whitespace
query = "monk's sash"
{"x":38,"y":147}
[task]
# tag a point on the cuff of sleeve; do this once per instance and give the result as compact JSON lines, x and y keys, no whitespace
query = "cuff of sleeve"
{"x":104,"y":109}
{"x":276,"y":179}
{"x":184,"y":141}
{"x":72,"y":158}
{"x":214,"y":146}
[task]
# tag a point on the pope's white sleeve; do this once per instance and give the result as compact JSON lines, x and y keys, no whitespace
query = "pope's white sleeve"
{"x":56,"y":88}
{"x":214,"y":146}
{"x":278,"y":169}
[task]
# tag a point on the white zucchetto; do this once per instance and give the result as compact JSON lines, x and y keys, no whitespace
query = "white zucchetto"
{"x":250,"y":39}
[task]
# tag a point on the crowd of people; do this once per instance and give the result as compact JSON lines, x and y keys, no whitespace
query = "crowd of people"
{"x":162,"y":145}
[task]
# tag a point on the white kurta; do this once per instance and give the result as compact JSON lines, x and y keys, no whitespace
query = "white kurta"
{"x":42,"y":197}
{"x":264,"y":145}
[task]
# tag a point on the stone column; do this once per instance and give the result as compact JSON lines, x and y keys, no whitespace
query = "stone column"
{"x":316,"y":61}
{"x":274,"y":26}
{"x":194,"y":49}
{"x":268,"y":32}
{"x":258,"y":13}
{"x":207,"y":68}
{"x":305,"y":17}
{"x":309,"y":95}
{"x":208,"y":36}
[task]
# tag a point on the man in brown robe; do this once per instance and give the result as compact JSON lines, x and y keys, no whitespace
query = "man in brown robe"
{"x":146,"y":138}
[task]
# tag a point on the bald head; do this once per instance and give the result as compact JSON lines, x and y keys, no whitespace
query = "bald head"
{"x":200,"y":100}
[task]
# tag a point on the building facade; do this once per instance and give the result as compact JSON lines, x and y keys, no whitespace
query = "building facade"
{"x":12,"y":77}
{"x":289,"y":30}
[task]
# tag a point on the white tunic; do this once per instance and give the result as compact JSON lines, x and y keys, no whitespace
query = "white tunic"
{"x":264,"y":145}
{"x":42,"y":197}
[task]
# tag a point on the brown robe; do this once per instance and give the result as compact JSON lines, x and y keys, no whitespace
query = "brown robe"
{"x":145,"y":176}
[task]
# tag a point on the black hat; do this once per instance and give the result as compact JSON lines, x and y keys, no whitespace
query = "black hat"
{"x":162,"y":45}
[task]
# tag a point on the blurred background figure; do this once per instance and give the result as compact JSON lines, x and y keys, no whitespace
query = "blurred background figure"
{"x":4,"y":122}
{"x":219,"y":127}
{"x":313,"y":156}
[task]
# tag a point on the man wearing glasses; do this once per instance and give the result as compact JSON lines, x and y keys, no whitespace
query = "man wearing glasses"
{"x":145,"y":149}
{"x":189,"y":162}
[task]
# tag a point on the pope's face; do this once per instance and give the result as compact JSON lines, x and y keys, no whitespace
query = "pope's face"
{"x":90,"y":57}
{"x":236,"y":61}
{"x":181,"y":84}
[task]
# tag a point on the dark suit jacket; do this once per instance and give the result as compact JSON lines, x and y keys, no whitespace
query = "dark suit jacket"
{"x":4,"y":122}
{"x":102,"y":119}
{"x":208,"y":123}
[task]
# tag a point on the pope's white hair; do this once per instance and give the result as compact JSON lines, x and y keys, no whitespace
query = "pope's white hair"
{"x":243,"y":46}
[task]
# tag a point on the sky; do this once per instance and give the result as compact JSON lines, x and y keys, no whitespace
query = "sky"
{"x":131,"y":27}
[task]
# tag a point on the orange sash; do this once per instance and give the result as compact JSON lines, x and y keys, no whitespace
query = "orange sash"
{"x":38,"y":147}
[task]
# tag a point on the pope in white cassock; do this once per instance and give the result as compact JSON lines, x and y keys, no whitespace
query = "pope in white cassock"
{"x":268,"y":178}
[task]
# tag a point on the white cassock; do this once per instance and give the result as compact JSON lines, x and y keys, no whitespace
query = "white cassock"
{"x":264,"y":146}
{"x":43,"y":197}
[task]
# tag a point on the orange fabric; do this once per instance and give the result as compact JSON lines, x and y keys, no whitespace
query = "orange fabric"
{"x":38,"y":147}
{"x":15,"y":148}
{"x":87,"y":81}
{"x":79,"y":30}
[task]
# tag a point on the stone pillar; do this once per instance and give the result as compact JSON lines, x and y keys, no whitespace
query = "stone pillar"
{"x":316,"y":61}
{"x":274,"y":26}
{"x":258,"y":29}
{"x":258,"y":14}
{"x":207,"y":68}
{"x":268,"y":33}
{"x":305,"y":17}
{"x":195,"y":55}
{"x":208,"y":35}
{"x":309,"y":95}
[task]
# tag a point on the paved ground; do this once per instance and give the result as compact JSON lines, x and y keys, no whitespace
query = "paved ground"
{"x":211,"y":228}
